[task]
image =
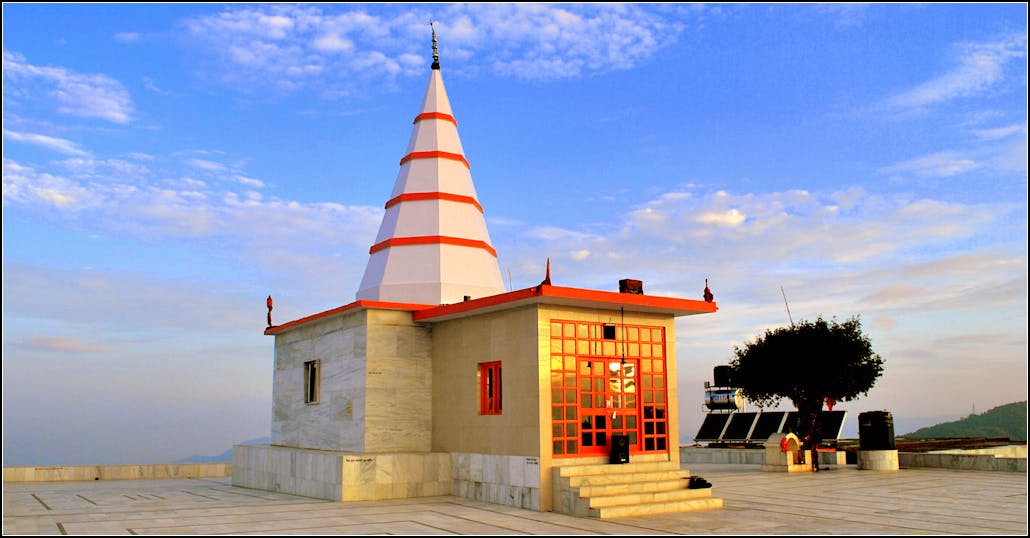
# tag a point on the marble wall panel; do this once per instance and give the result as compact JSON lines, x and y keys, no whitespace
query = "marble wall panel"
{"x":498,"y":479}
{"x":337,"y":421}
{"x":398,"y":394}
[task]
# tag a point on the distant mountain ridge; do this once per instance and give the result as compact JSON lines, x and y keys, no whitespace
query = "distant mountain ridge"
{"x":224,"y":456}
{"x":1006,"y":421}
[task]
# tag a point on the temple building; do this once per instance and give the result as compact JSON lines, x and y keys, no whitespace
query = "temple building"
{"x":438,"y":381}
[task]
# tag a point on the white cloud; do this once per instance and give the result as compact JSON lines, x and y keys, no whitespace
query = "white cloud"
{"x":831,"y":233}
{"x":580,"y":255}
{"x":204,"y":164}
{"x":553,"y":232}
{"x":942,"y":164}
{"x":333,"y":42}
{"x":189,"y":209}
{"x":149,"y":84}
{"x":127,"y":37}
{"x":25,"y":186}
{"x":60,"y":145}
{"x":728,"y":218}
{"x":282,"y":45}
{"x":981,"y":66}
{"x":1001,"y":132}
{"x":43,"y":342}
{"x":249,"y":181}
{"x":88,"y":96}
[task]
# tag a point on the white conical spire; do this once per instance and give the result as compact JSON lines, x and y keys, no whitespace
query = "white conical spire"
{"x":433,"y":246}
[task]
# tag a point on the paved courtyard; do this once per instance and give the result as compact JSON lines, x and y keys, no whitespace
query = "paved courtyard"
{"x":842,"y":500}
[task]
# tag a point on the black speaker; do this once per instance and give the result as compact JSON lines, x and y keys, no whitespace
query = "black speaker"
{"x":619,"y":449}
{"x":721,"y":376}
{"x":876,"y":430}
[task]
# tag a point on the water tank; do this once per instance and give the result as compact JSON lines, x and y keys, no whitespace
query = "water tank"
{"x":721,"y":376}
{"x":876,"y":430}
{"x":724,"y":399}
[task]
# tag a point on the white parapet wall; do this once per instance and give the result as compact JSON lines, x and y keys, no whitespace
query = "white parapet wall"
{"x":1007,"y":458}
{"x":748,"y":456}
{"x":952,"y":460}
{"x":157,"y":471}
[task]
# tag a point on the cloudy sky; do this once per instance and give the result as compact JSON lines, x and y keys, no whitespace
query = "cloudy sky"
{"x":168,"y":166}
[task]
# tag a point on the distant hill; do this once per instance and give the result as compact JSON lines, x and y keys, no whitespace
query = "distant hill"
{"x":1003,"y":421}
{"x":224,"y":456}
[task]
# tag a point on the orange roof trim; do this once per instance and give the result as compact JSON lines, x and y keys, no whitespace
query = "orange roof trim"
{"x":432,"y":240}
{"x":339,"y":310}
{"x":436,"y":155}
{"x":561,"y":294}
{"x":558,"y":294}
{"x":417,"y":196}
{"x":435,"y":116}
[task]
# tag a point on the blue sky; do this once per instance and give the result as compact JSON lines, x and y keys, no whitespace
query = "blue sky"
{"x":167,"y":166}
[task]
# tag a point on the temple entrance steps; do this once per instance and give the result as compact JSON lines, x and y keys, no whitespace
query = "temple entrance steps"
{"x":637,"y":488}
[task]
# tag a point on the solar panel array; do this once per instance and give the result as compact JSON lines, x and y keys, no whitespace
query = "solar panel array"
{"x":749,"y":427}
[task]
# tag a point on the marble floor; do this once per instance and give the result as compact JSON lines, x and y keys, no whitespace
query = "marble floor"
{"x":842,"y":500}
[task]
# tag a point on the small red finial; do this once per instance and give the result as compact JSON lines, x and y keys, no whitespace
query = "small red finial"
{"x":708,"y":293}
{"x":547,"y":278}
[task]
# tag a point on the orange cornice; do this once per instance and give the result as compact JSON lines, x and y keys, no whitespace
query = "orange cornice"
{"x":561,"y":294}
{"x":416,"y":196}
{"x":435,"y":116}
{"x":436,"y":155}
{"x":432,"y":240}
{"x":351,"y":306}
{"x":422,"y":312}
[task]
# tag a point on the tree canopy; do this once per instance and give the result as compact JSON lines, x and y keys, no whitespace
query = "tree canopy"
{"x":807,"y":363}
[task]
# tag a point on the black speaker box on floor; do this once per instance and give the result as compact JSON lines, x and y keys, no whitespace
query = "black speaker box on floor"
{"x":620,"y":449}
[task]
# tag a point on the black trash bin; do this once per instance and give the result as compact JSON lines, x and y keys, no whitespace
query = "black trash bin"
{"x":619,"y":449}
{"x":876,"y":430}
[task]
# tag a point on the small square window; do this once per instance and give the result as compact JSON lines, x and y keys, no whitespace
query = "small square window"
{"x":490,"y":388}
{"x":312,"y":381}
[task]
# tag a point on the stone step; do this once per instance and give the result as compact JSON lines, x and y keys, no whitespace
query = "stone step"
{"x":626,"y":478}
{"x":649,"y":486}
{"x":650,"y":497}
{"x":632,"y":510}
{"x":610,"y":468}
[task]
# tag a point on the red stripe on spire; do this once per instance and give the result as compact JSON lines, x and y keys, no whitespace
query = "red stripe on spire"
{"x":436,"y":155}
{"x":435,"y":116}
{"x":432,"y":240}
{"x":416,"y":196}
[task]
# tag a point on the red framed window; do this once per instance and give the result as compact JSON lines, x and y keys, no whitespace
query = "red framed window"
{"x":490,"y":388}
{"x":607,"y":379}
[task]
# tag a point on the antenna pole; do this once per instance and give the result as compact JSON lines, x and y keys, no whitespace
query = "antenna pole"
{"x":787,"y":305}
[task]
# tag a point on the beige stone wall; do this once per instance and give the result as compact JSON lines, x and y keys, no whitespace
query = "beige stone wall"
{"x":520,"y":338}
{"x":458,"y":347}
{"x":61,"y":473}
{"x":376,"y":381}
{"x":399,"y":383}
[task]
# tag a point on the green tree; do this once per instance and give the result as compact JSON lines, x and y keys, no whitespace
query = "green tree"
{"x":807,"y":363}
